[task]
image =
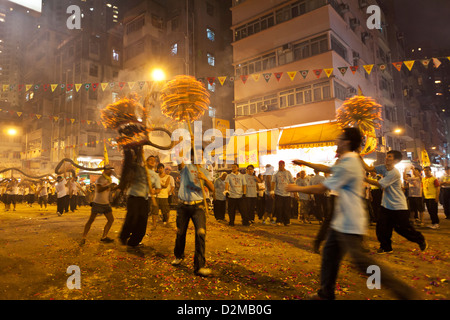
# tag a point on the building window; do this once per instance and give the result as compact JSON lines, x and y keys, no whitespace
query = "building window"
{"x":340,"y":92}
{"x":91,"y":141}
{"x":338,"y":47}
{"x":281,"y":15}
{"x":211,"y":59}
{"x":212,"y":112}
{"x":287,"y":98}
{"x":93,"y":70}
{"x":157,"y":21}
{"x":115,"y":55}
{"x":135,"y":25}
{"x":210,"y":34}
{"x":174,"y":49}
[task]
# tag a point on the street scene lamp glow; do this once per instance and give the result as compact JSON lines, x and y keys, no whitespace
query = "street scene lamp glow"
{"x":11,"y":131}
{"x":398,"y":130}
{"x":158,"y":75}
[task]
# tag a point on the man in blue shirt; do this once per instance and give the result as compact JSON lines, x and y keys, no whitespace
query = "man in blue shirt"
{"x":349,"y":222}
{"x":394,"y":214}
{"x":191,"y":207}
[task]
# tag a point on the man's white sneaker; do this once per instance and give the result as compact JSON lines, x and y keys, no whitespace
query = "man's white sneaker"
{"x":177,"y":261}
{"x":204,"y":272}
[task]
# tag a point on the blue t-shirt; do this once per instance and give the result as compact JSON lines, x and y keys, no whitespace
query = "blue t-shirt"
{"x":393,"y":196}
{"x":347,"y":177}
{"x":139,"y":186}
{"x":190,"y":189}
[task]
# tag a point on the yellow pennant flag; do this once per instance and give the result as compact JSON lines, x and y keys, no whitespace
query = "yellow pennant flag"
{"x":105,"y":154}
{"x":221,"y":80}
{"x":54,"y":87}
{"x":131,"y":84}
{"x":104,"y":85}
{"x":5,"y":87}
{"x":292,"y":74}
{"x":368,"y":68}
{"x":328,"y":71}
{"x":78,"y":86}
{"x":425,"y":159}
{"x":409,"y":64}
{"x":72,"y":120}
{"x":38,"y":116}
{"x":55,"y":118}
{"x":28,"y":87}
{"x":19,"y":113}
{"x":255,"y":76}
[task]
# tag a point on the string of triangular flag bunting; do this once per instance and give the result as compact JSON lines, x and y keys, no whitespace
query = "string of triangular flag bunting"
{"x":110,"y":142}
{"x":436,"y":62}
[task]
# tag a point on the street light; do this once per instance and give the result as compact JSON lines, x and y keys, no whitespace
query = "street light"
{"x":11,"y":131}
{"x":158,"y":74}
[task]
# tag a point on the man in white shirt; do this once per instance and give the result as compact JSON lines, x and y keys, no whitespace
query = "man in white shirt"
{"x":282,"y":207}
{"x":162,"y":197}
{"x":349,"y":222}
{"x":62,"y":199}
{"x":236,"y":187}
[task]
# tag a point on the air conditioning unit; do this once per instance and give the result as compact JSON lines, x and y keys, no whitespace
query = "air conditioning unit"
{"x":264,"y":108}
{"x":354,"y":23}
{"x":351,"y":90}
{"x":343,"y":8}
{"x":287,"y":47}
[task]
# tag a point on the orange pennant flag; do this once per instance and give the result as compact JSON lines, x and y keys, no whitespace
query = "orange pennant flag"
{"x":398,"y":65}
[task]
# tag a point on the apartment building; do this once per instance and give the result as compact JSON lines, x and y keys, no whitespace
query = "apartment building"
{"x":292,"y":44}
{"x":181,"y":37}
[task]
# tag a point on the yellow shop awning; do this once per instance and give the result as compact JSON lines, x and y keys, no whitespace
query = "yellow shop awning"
{"x":318,"y":135}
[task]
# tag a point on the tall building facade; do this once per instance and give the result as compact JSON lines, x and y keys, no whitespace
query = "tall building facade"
{"x":181,"y":37}
{"x":313,"y":55}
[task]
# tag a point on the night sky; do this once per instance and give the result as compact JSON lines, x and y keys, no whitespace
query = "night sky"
{"x":424,"y":22}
